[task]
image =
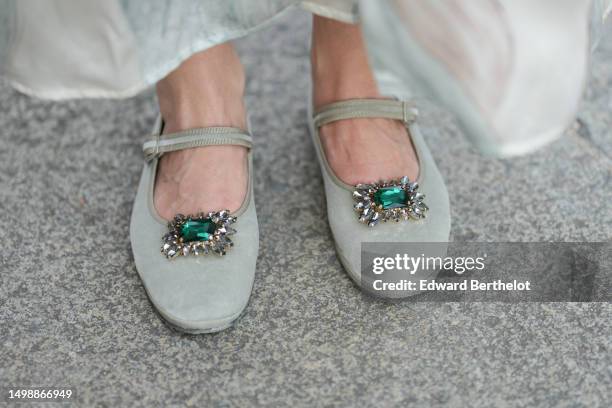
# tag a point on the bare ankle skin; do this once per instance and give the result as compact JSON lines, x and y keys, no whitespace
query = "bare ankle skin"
{"x":358,"y":150}
{"x":205,"y":90}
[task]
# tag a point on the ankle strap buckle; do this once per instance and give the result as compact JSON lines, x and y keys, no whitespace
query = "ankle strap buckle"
{"x":410,"y":112}
{"x":152,"y":152}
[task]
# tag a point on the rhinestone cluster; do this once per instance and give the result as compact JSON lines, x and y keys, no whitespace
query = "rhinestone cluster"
{"x":198,"y":234}
{"x":389,"y":200}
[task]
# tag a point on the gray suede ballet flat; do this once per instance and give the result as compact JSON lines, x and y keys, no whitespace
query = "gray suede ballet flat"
{"x":361,"y":213}
{"x":198,"y":269}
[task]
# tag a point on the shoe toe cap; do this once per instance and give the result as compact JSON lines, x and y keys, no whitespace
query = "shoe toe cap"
{"x":200,"y":294}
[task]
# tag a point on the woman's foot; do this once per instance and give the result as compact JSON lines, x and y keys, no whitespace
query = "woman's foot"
{"x":205,"y":90}
{"x":358,"y":150}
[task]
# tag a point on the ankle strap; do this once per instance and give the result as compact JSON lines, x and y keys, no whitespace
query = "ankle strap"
{"x":187,"y":139}
{"x":366,"y":108}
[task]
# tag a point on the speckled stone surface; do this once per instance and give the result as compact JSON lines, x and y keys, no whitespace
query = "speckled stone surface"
{"x":74,"y":313}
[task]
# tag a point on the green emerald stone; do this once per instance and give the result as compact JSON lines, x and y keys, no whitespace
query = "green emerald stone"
{"x":390,"y":197}
{"x":197,"y":230}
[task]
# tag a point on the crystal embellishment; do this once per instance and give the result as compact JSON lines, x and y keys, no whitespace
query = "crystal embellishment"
{"x":389,"y":200}
{"x":199,"y":234}
{"x":390,"y":197}
{"x":197,"y":230}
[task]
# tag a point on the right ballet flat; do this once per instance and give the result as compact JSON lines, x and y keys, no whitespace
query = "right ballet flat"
{"x":343,"y":204}
{"x":198,"y":270}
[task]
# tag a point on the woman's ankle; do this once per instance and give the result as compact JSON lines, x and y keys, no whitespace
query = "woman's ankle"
{"x":205,"y":90}
{"x":341,"y":71}
{"x":340,"y":68}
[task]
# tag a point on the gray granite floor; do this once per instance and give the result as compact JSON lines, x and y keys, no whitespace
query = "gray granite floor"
{"x":73,"y":311}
